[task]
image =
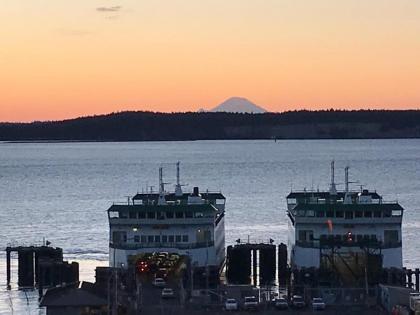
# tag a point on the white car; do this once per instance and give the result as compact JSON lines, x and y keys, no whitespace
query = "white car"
{"x":167,"y":293}
{"x":250,"y":303}
{"x":159,"y":282}
{"x":231,"y":305}
{"x":318,"y":304}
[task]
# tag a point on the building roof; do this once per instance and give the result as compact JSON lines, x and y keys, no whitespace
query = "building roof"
{"x":344,"y":207}
{"x":72,"y":296}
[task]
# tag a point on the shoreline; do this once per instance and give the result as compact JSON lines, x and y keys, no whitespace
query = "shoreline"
{"x":197,"y":140}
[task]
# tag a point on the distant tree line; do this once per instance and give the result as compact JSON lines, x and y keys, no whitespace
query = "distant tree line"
{"x":150,"y":126}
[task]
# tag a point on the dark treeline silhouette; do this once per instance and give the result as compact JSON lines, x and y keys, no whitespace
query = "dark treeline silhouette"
{"x":150,"y":126}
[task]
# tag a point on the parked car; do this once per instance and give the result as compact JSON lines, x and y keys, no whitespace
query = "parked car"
{"x":159,"y":282}
{"x":231,"y":305}
{"x":250,"y":303}
{"x":281,"y":304}
{"x":318,"y":304}
{"x":298,"y":301}
{"x":167,"y":293}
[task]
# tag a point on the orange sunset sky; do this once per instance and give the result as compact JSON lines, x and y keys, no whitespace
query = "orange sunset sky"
{"x":62,"y":59}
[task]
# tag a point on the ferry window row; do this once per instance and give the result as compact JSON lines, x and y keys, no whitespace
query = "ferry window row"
{"x":121,"y":237}
{"x":357,"y":237}
{"x":155,"y":215}
{"x":349,"y":214}
{"x":390,"y":236}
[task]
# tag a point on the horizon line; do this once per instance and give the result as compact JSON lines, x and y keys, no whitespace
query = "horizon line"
{"x":203,"y":111}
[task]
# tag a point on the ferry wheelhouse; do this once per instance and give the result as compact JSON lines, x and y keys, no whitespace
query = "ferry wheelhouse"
{"x":351,"y":229}
{"x":189,"y":224}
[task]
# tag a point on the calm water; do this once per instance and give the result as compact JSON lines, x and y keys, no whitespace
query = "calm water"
{"x":61,"y":191}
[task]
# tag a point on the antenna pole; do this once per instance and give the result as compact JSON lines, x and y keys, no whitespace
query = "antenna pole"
{"x":161,"y":184}
{"x":346,"y":178}
{"x":177,"y":173}
{"x":333,"y":190}
{"x":161,"y":200}
{"x":178,"y":189}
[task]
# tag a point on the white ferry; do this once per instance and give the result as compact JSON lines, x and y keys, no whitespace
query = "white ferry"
{"x":184,"y":223}
{"x":343,"y":229}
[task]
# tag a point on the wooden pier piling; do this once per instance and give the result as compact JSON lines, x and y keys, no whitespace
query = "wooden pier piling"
{"x":42,"y":266}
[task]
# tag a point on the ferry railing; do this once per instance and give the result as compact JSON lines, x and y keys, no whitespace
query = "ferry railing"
{"x":133,"y":246}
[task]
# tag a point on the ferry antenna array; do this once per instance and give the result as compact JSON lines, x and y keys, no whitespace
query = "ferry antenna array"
{"x":178,"y":186}
{"x":333,"y":189}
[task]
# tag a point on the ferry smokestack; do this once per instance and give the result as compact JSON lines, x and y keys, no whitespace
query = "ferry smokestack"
{"x":196,"y":191}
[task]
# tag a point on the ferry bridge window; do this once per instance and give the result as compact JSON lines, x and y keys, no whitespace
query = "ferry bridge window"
{"x":164,"y":238}
{"x":171,"y":238}
{"x":310,"y":213}
{"x":150,"y":239}
{"x":113,"y":214}
{"x":320,"y":214}
{"x":330,"y":214}
{"x":339,"y":214}
{"x":137,"y":238}
{"x":396,"y":213}
{"x":376,"y":214}
{"x":160,"y":215}
{"x":349,"y":214}
{"x":358,"y":214}
{"x":123,"y":215}
{"x":143,"y":239}
{"x":359,"y":237}
{"x":178,"y":239}
{"x":169,"y":215}
{"x":142,"y":215}
{"x":179,"y":215}
{"x":132,"y":215}
{"x":151,"y":215}
{"x":157,"y":238}
{"x":185,"y":238}
{"x":198,"y":215}
{"x":368,"y":214}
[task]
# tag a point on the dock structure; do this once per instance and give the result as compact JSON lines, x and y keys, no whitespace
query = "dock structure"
{"x":41,"y":266}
